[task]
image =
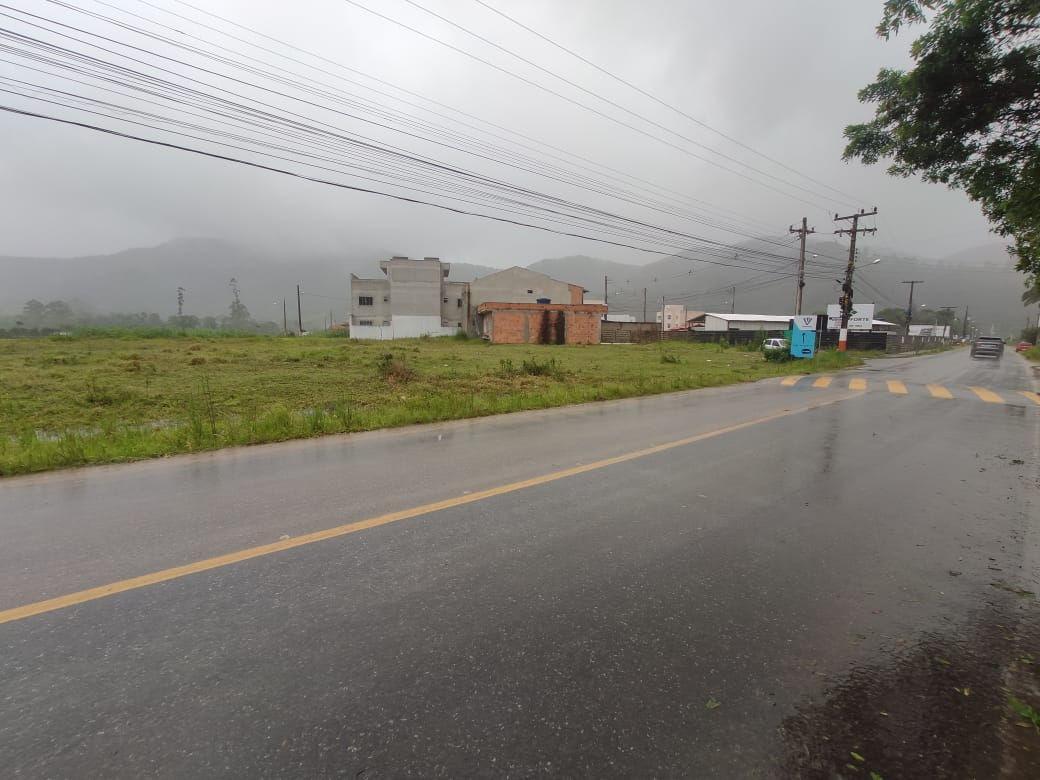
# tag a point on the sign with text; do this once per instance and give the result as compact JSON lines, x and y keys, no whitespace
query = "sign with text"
{"x":862,"y":317}
{"x":803,"y":336}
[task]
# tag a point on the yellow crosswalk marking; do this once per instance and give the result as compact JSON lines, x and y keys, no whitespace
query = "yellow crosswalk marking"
{"x":857,"y":384}
{"x":823,"y":381}
{"x":987,"y":395}
{"x":938,"y":391}
{"x":790,"y":381}
{"x":1034,"y":397}
{"x":897,"y":387}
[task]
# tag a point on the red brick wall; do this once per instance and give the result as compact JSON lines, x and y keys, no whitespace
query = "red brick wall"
{"x":511,"y":326}
{"x":583,"y":327}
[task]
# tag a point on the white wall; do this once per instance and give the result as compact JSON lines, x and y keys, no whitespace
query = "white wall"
{"x":402,"y":327}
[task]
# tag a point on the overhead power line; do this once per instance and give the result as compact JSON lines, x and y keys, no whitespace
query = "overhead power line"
{"x":309,"y":88}
{"x":659,"y":101}
{"x":511,"y":131}
{"x":592,"y":93}
{"x":591,"y":109}
{"x":340,"y":185}
{"x":631,"y":224}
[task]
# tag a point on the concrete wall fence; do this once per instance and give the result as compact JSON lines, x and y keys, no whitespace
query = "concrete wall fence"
{"x":629,"y":332}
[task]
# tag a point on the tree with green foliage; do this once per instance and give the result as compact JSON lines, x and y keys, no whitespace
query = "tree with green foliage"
{"x":32,"y":313}
{"x":894,"y":315}
{"x":58,"y":314}
{"x":968,"y":114}
{"x":239,"y":318}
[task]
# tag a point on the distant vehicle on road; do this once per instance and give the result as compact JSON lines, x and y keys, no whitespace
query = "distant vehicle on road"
{"x":770,"y":344}
{"x":987,"y":347}
{"x":1023,"y":346}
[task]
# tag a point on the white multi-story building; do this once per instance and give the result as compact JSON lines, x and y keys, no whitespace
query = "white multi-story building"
{"x":413,"y":299}
{"x":672,"y":317}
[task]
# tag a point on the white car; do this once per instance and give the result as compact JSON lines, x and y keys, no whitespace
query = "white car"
{"x":770,"y":344}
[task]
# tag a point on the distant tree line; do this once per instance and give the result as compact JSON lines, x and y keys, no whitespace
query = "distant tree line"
{"x":922,"y":316}
{"x":39,"y":318}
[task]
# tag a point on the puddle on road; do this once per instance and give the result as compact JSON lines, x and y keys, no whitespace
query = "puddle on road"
{"x":939,"y":708}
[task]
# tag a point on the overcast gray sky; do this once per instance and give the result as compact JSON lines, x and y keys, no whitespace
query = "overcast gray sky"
{"x":778,"y":76}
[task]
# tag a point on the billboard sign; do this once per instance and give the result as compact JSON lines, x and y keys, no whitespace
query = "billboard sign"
{"x":862,"y":317}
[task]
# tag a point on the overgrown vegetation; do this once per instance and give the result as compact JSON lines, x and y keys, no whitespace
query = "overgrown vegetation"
{"x":966,"y":114}
{"x":67,"y":401}
{"x":777,"y":355}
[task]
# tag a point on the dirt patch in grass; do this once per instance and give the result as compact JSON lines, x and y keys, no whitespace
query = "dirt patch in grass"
{"x":72,"y":401}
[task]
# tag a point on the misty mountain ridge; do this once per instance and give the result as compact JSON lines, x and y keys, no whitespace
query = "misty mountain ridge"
{"x":146,"y":280}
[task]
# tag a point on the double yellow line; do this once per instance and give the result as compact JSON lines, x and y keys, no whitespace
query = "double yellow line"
{"x":165,"y":575}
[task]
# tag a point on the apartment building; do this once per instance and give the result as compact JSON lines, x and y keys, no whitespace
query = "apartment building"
{"x":412,"y":298}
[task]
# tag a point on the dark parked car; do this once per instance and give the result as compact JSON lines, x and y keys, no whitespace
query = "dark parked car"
{"x":987,"y":347}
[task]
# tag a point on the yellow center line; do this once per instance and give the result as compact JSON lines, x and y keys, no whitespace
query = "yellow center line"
{"x":790,"y":381}
{"x":219,"y":561}
{"x":987,"y":395}
{"x":823,"y":381}
{"x":857,"y":384}
{"x":897,"y":387}
{"x":938,"y":391}
{"x":1034,"y":397}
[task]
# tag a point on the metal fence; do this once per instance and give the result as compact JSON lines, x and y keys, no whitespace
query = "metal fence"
{"x":867,"y":341}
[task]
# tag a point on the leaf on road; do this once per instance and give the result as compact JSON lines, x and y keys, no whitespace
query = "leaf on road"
{"x":712,"y":704}
{"x":857,"y":756}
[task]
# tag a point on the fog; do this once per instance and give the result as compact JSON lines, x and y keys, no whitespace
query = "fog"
{"x":780,"y":77}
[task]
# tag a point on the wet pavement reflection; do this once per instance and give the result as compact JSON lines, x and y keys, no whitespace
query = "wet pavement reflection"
{"x":938,"y":706}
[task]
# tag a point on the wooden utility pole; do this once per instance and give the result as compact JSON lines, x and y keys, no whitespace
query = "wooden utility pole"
{"x":910,"y":304}
{"x":964,"y":325}
{"x":299,"y":309}
{"x":644,"y":304}
{"x":846,"y":287}
{"x":285,"y":321}
{"x":605,"y":280}
{"x":732,"y":299}
{"x":803,"y":231}
{"x":953,"y":318}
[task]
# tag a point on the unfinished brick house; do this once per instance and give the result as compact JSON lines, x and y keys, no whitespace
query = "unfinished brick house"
{"x":540,"y":323}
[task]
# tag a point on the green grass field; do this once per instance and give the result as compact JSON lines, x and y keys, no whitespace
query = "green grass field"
{"x":67,"y":401}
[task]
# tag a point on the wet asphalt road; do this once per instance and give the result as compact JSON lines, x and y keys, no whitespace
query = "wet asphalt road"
{"x":850,"y":577}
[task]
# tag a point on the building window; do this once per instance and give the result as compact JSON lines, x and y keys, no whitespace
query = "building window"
{"x":530,"y":292}
{"x":364,"y":300}
{"x":364,"y":322}
{"x":386,"y":299}
{"x":386,"y":323}
{"x":445,"y":300}
{"x":460,"y":303}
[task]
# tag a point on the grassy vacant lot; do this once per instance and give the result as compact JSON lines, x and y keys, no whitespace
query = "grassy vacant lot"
{"x":67,"y":401}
